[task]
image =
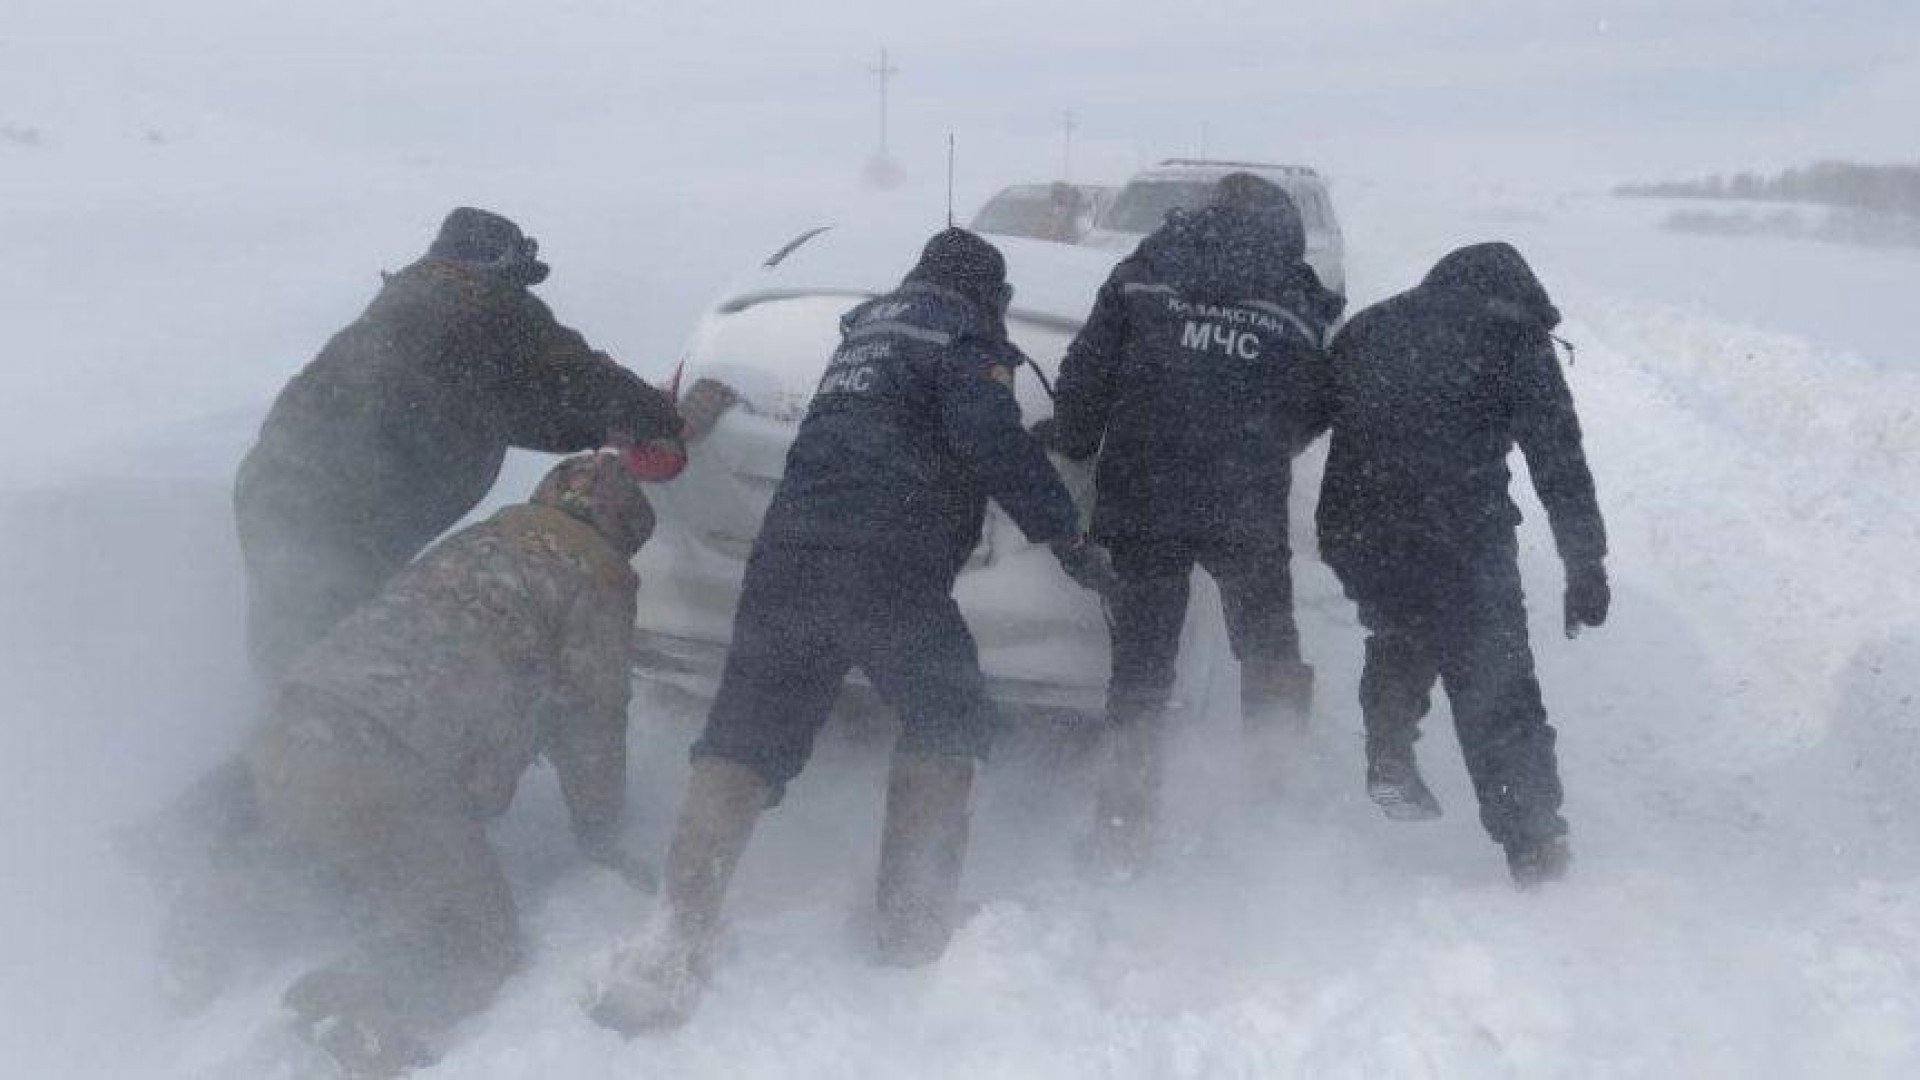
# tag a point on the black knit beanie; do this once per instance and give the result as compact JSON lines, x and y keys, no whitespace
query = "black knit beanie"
{"x":963,"y":262}
{"x":492,"y":242}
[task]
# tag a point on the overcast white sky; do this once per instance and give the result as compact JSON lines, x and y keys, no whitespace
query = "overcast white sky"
{"x":1546,"y":92}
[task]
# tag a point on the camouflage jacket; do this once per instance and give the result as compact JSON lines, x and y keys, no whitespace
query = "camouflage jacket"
{"x":510,"y":639}
{"x":398,"y":428}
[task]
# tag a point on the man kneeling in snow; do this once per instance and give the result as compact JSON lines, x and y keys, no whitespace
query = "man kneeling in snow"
{"x":397,"y":736}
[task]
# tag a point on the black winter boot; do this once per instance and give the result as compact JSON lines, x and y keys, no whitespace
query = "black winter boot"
{"x":1393,"y":781}
{"x":1127,"y":799}
{"x":1536,"y":862}
{"x":350,"y":1015}
{"x":1276,"y":693}
{"x":922,"y":852}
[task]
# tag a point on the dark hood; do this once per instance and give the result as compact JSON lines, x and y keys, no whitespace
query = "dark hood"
{"x":1226,"y":253}
{"x":1496,"y":278}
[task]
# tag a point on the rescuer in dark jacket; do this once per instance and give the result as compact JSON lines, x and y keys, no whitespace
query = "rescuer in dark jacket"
{"x":1193,"y":379}
{"x":399,"y":427}
{"x":912,"y":429}
{"x":1432,"y":390}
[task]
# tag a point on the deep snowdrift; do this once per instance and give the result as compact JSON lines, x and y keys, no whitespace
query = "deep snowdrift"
{"x":1739,"y":743}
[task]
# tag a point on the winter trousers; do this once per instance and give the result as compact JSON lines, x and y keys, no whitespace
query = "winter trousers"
{"x":1467,"y":629}
{"x":809,"y":616}
{"x":300,"y":583}
{"x":1150,"y":608}
{"x":337,"y":786}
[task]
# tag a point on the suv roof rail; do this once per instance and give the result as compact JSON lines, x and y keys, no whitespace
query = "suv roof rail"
{"x":1207,"y":163}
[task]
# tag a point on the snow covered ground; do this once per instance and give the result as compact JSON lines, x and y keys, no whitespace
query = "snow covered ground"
{"x":1739,"y":743}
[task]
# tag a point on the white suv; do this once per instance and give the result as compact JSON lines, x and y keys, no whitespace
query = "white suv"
{"x":1183,"y":184}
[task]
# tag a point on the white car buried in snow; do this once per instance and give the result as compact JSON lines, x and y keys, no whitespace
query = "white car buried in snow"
{"x":767,"y":339}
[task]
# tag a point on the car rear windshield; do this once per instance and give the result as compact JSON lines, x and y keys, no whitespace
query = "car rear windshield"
{"x":1141,"y":206}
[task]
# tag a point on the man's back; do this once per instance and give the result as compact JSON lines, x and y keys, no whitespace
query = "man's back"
{"x":395,"y":413}
{"x":1187,"y":379}
{"x":1426,"y":401}
{"x":399,"y":426}
{"x":1432,"y":390}
{"x":912,"y":428}
{"x":459,"y":654}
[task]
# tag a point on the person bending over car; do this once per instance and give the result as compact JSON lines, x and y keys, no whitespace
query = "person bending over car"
{"x":398,"y":428}
{"x":1432,"y":389}
{"x":912,"y":428}
{"x":1192,"y":380}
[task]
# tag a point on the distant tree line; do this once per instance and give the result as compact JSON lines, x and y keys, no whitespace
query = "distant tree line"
{"x":1858,"y":227}
{"x":1877,"y":189}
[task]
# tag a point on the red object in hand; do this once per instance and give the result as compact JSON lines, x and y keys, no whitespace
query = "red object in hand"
{"x":656,"y":460}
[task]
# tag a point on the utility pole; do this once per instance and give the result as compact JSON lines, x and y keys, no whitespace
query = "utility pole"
{"x":885,"y":72}
{"x":882,"y":171}
{"x":1067,"y":127}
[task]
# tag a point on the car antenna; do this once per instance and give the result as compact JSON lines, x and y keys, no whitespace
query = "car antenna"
{"x":949,"y":179}
{"x":1037,"y":373}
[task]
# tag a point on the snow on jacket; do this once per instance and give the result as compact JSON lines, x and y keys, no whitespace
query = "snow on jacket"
{"x":912,"y":428}
{"x":399,"y":427}
{"x":510,"y":639}
{"x":1431,"y":391}
{"x":1192,"y":378}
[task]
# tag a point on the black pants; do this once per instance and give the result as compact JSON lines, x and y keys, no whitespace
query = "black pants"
{"x":1466,"y":627}
{"x":303,"y":577}
{"x":807,"y":617}
{"x":1256,"y":591}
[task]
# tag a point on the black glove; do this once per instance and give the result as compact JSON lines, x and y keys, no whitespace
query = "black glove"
{"x":1047,"y":433}
{"x":1588,"y":596}
{"x":1089,"y":564}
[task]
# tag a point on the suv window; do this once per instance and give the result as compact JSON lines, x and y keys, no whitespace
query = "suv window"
{"x":1144,"y":204}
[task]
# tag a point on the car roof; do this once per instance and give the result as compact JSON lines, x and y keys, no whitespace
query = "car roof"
{"x":1052,"y":283}
{"x":1045,"y":189}
{"x":1197,"y":168}
{"x":1023,"y":189}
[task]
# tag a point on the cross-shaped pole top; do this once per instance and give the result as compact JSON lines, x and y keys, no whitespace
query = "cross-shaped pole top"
{"x":885,"y":71}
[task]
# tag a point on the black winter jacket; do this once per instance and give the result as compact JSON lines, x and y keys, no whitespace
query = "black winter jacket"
{"x":399,"y":427}
{"x":1432,"y":390}
{"x":1195,"y":378}
{"x":913,"y":427}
